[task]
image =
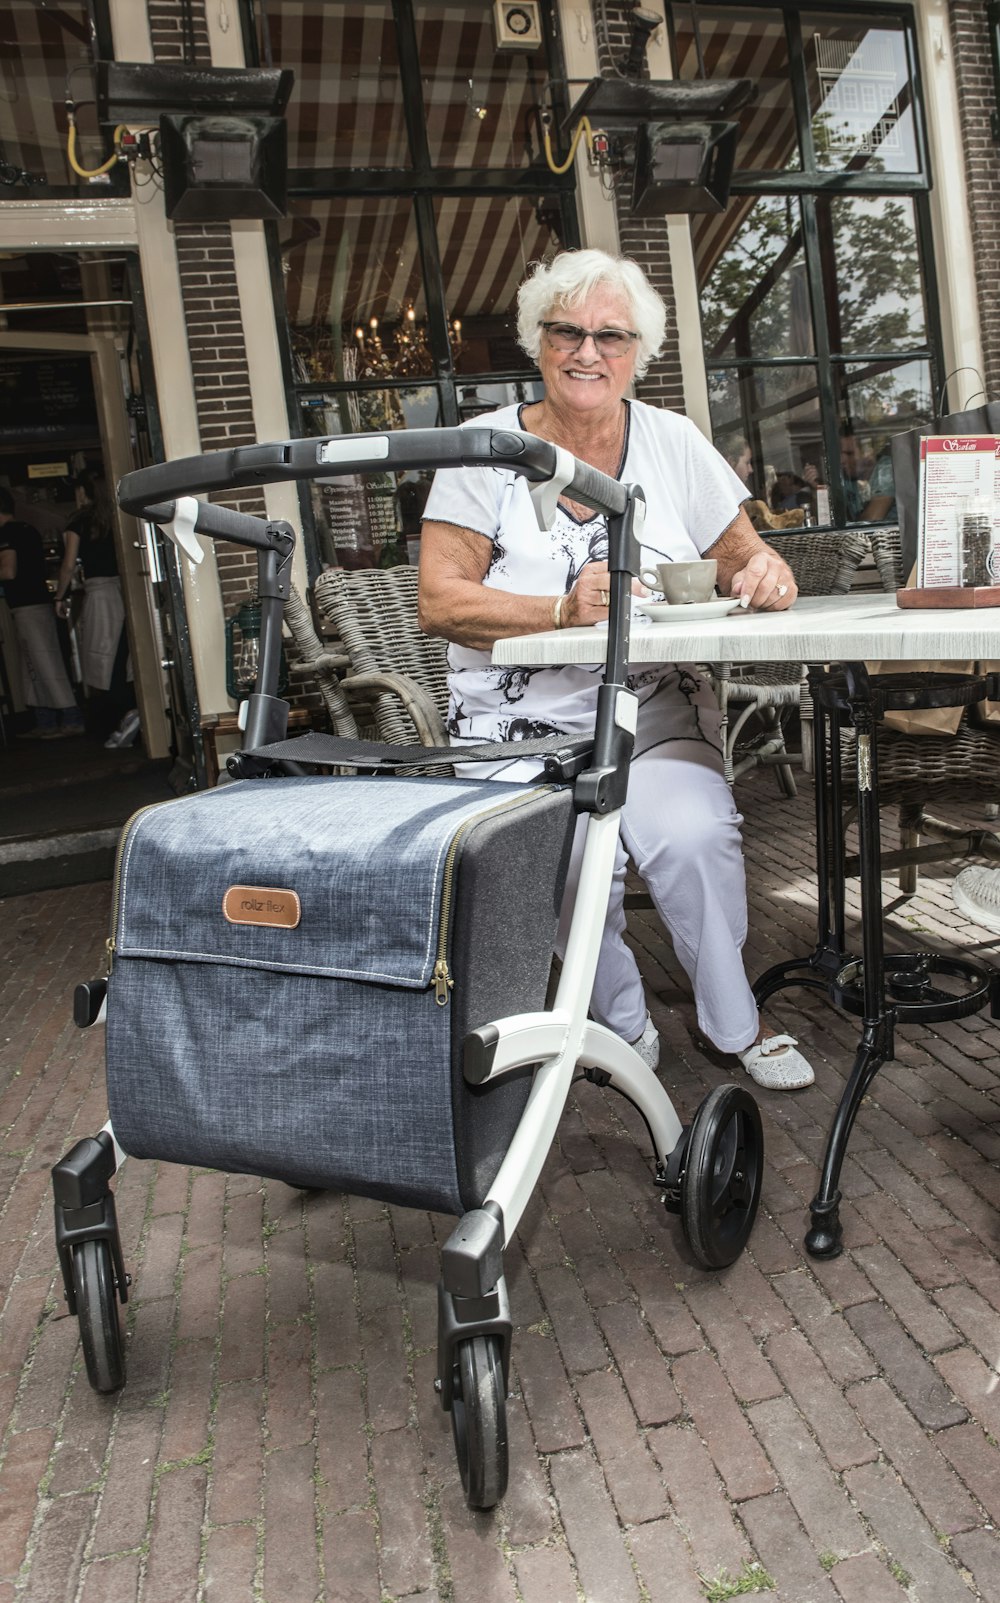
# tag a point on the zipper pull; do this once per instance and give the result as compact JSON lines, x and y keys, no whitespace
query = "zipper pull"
{"x":443,"y":982}
{"x":109,"y":955}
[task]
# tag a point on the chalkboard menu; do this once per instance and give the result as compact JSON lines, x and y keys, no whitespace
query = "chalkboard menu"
{"x":47,"y":401}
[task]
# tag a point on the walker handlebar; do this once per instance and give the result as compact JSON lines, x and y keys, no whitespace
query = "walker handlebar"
{"x":150,"y":492}
{"x":221,"y":523}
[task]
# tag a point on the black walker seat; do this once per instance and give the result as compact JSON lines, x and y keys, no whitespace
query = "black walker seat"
{"x":340,"y":979}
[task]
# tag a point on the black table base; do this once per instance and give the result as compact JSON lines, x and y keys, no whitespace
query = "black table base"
{"x":883,"y":991}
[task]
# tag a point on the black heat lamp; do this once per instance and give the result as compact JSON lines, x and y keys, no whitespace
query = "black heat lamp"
{"x":683,"y":167}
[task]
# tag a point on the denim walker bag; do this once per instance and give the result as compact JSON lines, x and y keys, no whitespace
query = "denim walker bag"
{"x":291,"y":983}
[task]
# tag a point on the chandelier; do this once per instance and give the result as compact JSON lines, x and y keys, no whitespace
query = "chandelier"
{"x":403,"y":354}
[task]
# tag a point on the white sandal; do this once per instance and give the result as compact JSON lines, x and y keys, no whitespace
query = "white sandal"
{"x":775,"y":1064}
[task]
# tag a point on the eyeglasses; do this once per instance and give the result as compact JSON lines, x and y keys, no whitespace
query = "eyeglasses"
{"x":610,"y":342}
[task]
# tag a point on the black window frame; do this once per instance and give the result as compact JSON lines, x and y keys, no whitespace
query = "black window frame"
{"x":807,"y":183}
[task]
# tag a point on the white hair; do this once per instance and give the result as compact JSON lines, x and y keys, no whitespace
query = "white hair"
{"x":570,"y":278}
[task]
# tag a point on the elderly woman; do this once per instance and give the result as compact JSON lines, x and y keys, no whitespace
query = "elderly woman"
{"x":594,"y":323}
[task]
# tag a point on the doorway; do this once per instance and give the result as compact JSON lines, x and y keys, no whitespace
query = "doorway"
{"x":77,"y":410}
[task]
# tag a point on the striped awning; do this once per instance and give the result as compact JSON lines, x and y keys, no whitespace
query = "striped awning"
{"x":350,"y":260}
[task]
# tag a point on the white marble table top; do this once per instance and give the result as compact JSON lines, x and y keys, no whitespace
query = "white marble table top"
{"x":852,"y":628}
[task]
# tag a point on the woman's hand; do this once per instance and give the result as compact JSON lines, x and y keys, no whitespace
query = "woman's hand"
{"x":590,"y":597}
{"x":62,"y":608}
{"x":750,"y":569}
{"x":765,"y":583}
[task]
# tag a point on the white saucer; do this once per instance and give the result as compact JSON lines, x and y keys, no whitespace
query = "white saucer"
{"x":689,"y":611}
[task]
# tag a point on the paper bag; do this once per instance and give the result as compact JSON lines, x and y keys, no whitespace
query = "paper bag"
{"x":986,"y":712}
{"x":923,"y":720}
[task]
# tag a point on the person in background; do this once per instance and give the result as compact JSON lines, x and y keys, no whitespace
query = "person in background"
{"x":46,"y":688}
{"x":736,"y":451}
{"x":593,"y":322}
{"x":89,"y":540}
{"x":869,"y":489}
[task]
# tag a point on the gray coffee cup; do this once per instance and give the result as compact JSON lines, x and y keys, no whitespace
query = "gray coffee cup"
{"x":683,"y":582}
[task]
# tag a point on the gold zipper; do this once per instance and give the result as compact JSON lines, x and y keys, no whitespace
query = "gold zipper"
{"x":443,"y":982}
{"x":109,"y":945}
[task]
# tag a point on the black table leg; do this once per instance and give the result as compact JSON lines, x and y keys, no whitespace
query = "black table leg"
{"x":881,"y":990}
{"x":823,"y":1239}
{"x":826,"y":960}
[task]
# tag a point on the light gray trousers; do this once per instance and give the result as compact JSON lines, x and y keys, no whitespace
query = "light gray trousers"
{"x":681,"y":829}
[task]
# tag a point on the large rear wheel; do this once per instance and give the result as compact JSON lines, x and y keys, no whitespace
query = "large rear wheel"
{"x":97,"y":1311}
{"x":479,"y":1420}
{"x":723,"y":1169}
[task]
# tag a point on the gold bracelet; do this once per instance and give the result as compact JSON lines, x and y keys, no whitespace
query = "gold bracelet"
{"x":557,"y":612}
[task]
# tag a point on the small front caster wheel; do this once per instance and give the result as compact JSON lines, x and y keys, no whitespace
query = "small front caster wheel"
{"x":723,"y":1170}
{"x":479,"y":1420}
{"x":97,"y":1311}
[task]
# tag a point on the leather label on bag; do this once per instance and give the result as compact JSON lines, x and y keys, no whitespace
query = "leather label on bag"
{"x":262,"y":904}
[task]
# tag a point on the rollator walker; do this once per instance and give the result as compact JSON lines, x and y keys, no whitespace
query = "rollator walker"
{"x":479,"y":1109}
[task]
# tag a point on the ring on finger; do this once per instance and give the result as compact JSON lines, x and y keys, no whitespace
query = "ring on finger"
{"x":605,"y":598}
{"x":782,"y":590}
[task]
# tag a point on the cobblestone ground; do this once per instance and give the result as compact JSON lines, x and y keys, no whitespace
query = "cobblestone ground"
{"x":804,"y":1430}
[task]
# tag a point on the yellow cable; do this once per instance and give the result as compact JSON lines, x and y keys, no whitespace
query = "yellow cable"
{"x":90,"y":172}
{"x":582,"y":127}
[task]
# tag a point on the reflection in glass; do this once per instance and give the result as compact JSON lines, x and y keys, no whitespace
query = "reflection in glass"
{"x":346,"y":108}
{"x":873,"y":283}
{"x":754,"y":292}
{"x":740,"y":42}
{"x":370,"y":520}
{"x":352,"y":277}
{"x":40,"y":48}
{"x":486,"y":245}
{"x":479,"y":102}
{"x":878,"y":401}
{"x":860,"y":94}
{"x":777,"y":412}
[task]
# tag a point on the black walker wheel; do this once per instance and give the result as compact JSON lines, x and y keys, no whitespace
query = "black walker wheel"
{"x":97,"y":1311}
{"x":723,"y":1170}
{"x":479,"y":1420}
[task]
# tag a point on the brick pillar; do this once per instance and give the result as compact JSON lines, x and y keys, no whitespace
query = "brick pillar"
{"x":978,"y":99}
{"x":644,"y":239}
{"x":211,"y":311}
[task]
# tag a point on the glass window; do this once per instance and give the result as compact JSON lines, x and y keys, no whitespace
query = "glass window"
{"x":776,"y":411}
{"x":751,"y":269}
{"x":370,"y":520}
{"x":346,"y":108}
{"x":745,"y":42}
{"x":872,"y":275}
{"x":860,"y":93}
{"x":486,"y":245}
{"x":878,"y":400}
{"x":796,"y":381}
{"x":41,"y":49}
{"x":352,"y":279}
{"x":479,"y":102}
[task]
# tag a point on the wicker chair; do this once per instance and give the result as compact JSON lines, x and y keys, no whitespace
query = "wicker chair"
{"x":396,"y":672}
{"x":823,"y":565}
{"x":916,"y":771}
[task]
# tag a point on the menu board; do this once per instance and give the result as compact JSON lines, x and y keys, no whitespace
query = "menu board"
{"x":47,"y":401}
{"x":959,"y":521}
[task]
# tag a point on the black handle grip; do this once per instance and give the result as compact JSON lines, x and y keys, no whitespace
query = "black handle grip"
{"x":221,"y":523}
{"x":596,"y":490}
{"x":341,"y":454}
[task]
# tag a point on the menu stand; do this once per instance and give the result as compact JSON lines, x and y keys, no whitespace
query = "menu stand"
{"x":882,"y":990}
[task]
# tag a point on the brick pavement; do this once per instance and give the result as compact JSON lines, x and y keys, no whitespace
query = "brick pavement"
{"x":833,"y":1424}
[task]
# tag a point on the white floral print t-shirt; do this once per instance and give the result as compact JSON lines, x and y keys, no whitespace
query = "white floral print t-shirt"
{"x":692,"y":495}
